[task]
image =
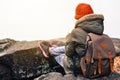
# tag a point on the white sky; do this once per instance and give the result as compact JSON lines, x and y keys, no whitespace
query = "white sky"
{"x":48,"y":19}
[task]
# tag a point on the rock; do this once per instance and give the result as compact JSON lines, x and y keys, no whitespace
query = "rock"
{"x":69,"y":77}
{"x":117,"y":65}
{"x":24,"y":60}
{"x":51,"y":76}
{"x":5,"y":43}
{"x":5,"y":73}
{"x":59,"y":76}
{"x":116,"y":43}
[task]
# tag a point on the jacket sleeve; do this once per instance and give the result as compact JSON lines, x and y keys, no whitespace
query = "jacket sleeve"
{"x":80,"y":49}
{"x":69,"y":49}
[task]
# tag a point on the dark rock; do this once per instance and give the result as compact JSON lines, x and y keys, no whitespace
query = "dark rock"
{"x":24,"y":60}
{"x":5,"y":73}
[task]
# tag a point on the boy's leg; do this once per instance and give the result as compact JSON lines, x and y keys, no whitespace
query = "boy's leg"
{"x":59,"y":59}
{"x":55,"y":51}
{"x":50,"y":50}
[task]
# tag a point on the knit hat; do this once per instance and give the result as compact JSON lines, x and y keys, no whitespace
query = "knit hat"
{"x":83,"y":9}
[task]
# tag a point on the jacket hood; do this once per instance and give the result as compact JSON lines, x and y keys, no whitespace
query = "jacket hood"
{"x":91,"y":23}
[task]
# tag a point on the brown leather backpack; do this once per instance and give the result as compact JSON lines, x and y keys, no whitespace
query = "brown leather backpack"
{"x":99,"y":58}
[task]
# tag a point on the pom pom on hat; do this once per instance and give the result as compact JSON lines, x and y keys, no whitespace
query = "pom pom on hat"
{"x":83,"y":9}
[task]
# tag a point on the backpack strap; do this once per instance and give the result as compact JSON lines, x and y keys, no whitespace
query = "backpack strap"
{"x":83,"y":68}
{"x":111,"y":60}
{"x":99,"y":62}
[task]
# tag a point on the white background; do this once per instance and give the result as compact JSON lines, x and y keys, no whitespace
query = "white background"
{"x":48,"y":19}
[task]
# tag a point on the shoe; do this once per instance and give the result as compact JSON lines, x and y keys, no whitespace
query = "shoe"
{"x":44,"y":47}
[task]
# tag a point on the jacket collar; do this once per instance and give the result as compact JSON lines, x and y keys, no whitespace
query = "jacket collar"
{"x":89,"y":17}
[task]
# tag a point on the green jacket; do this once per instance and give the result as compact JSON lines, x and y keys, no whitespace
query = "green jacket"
{"x":75,"y":44}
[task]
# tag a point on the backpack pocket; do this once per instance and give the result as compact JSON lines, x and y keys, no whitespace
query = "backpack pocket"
{"x":89,"y":69}
{"x":95,"y":69}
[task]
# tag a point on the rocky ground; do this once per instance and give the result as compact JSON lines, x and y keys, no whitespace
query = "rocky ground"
{"x":22,"y":60}
{"x":59,"y":76}
{"x":117,"y":65}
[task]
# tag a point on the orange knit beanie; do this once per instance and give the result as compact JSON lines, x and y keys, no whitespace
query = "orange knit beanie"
{"x":83,"y":9}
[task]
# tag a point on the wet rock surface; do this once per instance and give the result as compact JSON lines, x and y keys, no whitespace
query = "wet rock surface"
{"x":23,"y":60}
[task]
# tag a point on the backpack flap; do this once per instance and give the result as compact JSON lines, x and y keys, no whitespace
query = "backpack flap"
{"x":102,"y":44}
